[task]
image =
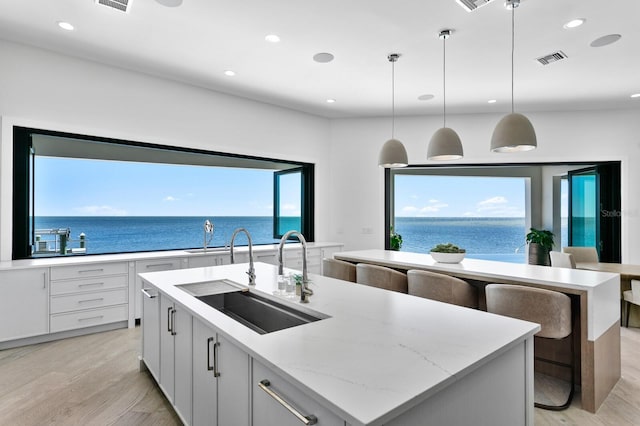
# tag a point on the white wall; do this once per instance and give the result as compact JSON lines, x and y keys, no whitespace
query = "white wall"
{"x":585,"y":136}
{"x":46,"y":90}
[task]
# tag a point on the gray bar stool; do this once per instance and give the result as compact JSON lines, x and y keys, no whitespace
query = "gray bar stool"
{"x":381,"y":277}
{"x":443,"y":288}
{"x":550,"y":309}
{"x":339,"y":269}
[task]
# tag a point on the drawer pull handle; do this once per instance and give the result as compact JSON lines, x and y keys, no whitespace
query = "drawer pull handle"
{"x":90,"y":284}
{"x":86,"y":271}
{"x":216,"y":373}
{"x":307,"y":420}
{"x":98,"y":299}
{"x":91,"y":318}
{"x":145,"y":291}
{"x":158,"y":265}
{"x":209,"y":366}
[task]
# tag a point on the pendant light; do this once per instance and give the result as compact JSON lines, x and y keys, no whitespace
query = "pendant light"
{"x":445,"y":143}
{"x":514,"y":132}
{"x":393,"y":153}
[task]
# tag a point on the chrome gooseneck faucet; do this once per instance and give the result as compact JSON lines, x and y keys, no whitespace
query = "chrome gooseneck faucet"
{"x":251,"y":272}
{"x":305,"y":291}
{"x":208,"y":229}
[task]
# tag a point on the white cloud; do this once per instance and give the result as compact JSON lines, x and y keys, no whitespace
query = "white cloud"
{"x":100,"y":211}
{"x":432,"y":201}
{"x":409,"y":209}
{"x":170,"y":198}
{"x":490,"y":203}
{"x":291,"y":209}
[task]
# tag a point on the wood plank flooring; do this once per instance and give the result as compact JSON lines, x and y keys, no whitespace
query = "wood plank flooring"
{"x":94,"y":380}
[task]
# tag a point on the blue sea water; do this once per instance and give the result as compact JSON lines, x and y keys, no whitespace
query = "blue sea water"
{"x":489,"y":238}
{"x":483,"y":238}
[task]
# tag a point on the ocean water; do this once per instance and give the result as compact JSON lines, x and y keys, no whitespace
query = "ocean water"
{"x":122,"y":234}
{"x":488,"y":238}
{"x":483,"y":238}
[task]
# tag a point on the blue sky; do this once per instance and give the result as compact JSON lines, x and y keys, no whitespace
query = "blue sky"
{"x":72,"y":187}
{"x":457,"y":196}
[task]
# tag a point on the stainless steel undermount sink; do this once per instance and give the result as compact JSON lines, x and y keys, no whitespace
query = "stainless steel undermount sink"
{"x":259,"y":313}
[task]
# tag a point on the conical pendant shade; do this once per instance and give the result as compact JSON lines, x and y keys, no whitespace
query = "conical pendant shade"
{"x":513,"y":133}
{"x":393,"y":154}
{"x":445,"y":144}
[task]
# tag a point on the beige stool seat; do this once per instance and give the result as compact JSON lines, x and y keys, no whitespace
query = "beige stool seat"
{"x":381,"y":277}
{"x":339,"y":269}
{"x":562,"y":260}
{"x":582,"y":254}
{"x":550,"y":309}
{"x":441,"y":287}
{"x":631,"y":296}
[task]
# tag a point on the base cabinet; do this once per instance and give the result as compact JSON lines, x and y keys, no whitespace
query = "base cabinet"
{"x":220,"y":379}
{"x":24,"y":303}
{"x":175,"y":356}
{"x":151,"y":330}
{"x":267,"y":410}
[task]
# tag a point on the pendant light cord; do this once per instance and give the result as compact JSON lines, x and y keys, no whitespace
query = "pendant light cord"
{"x":444,"y":81}
{"x":513,"y":10}
{"x":393,"y":98}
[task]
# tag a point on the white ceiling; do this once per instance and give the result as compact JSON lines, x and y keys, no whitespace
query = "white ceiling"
{"x":197,"y":41}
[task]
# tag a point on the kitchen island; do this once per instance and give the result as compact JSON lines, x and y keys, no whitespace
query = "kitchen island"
{"x":376,"y":357}
{"x":597,"y":295}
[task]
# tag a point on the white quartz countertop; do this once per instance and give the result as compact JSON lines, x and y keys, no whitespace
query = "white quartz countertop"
{"x":132,"y":257}
{"x":602,"y":288}
{"x":378,"y":354}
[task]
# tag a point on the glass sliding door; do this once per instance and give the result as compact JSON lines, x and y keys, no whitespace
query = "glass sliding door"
{"x":582,"y":208}
{"x":287,"y":205}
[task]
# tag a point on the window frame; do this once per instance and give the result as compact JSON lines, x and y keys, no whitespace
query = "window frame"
{"x":23,"y":198}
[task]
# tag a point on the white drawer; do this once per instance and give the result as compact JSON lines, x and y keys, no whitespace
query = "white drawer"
{"x":88,"y":270}
{"x":81,"y":301}
{"x":73,"y":320}
{"x":157,"y":265}
{"x":89,"y":284}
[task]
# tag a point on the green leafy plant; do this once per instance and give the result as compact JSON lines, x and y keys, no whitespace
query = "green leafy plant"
{"x":395,"y":240}
{"x":448,"y":248}
{"x":297,"y":278}
{"x":542,"y":237}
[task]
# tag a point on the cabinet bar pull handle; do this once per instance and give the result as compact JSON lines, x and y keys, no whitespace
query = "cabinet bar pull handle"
{"x":98,"y":299}
{"x":307,"y":420}
{"x":44,"y":280}
{"x":86,"y":271}
{"x":89,"y":284}
{"x":169,"y":320}
{"x":157,"y":265}
{"x":209,"y":366}
{"x":216,"y":373}
{"x":173,"y":322}
{"x":91,"y":318}
{"x":145,"y":291}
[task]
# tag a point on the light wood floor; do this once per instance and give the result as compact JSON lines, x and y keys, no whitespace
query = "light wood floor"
{"x":94,"y":380}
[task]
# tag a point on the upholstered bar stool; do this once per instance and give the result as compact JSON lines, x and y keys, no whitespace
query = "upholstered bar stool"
{"x":381,"y":277}
{"x":442,"y":288}
{"x":582,"y":254}
{"x":550,"y":309}
{"x":339,"y":269}
{"x":631,"y":296}
{"x":562,"y":260}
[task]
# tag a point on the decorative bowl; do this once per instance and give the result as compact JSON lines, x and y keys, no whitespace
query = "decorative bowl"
{"x":447,"y":257}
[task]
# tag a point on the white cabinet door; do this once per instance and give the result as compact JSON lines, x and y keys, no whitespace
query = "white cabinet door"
{"x":155,"y":265}
{"x":167,"y":372}
{"x":268,"y":411}
{"x":151,"y":331}
{"x":24,"y":303}
{"x":205,"y":384}
{"x":220,"y":379}
{"x":182,"y":328}
{"x":202,"y":261}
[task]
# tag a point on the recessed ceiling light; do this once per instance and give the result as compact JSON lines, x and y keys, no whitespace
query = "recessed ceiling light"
{"x":605,"y":40}
{"x":331,"y":101}
{"x":426,"y":97}
{"x":272,"y":38}
{"x":636,"y":95}
{"x":574,"y":23}
{"x":65,"y":26}
{"x":323,"y":57}
{"x":492,"y":101}
{"x":229,"y":73}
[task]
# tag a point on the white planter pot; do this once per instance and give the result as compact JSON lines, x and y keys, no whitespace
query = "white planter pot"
{"x":447,"y":257}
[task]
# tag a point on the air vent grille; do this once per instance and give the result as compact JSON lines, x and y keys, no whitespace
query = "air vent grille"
{"x":471,"y":5}
{"x":552,"y":57}
{"x":121,"y":5}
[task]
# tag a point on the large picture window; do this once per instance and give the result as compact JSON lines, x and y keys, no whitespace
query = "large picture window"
{"x":75,"y":194}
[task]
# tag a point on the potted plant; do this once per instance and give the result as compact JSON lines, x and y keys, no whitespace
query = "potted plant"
{"x":447,"y":253}
{"x":540,"y":244}
{"x":395,"y":240}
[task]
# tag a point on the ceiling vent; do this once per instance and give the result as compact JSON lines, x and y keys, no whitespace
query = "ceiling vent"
{"x":121,"y":5}
{"x":552,"y":57}
{"x":471,"y":5}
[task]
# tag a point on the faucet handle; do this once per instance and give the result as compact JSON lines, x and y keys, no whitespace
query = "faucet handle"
{"x":252,"y":277}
